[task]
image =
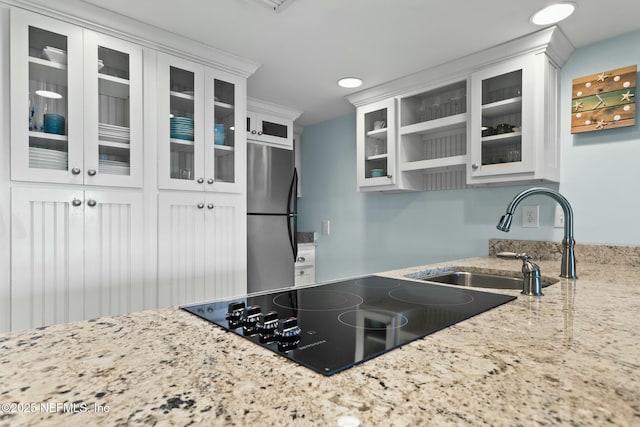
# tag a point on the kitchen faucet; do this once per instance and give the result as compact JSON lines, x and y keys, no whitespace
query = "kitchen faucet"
{"x":568,"y":264}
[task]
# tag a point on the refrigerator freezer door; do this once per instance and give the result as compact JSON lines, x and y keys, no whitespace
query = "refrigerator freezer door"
{"x":269,"y":258}
{"x":269,"y":174}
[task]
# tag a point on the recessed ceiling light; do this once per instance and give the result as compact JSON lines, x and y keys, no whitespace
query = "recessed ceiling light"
{"x":350,"y":82}
{"x":553,"y":13}
{"x":48,"y":94}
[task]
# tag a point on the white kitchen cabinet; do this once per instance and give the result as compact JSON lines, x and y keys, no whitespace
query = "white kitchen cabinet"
{"x":76,"y":104}
{"x":514,"y":122}
{"x":202,"y":253}
{"x":437,"y":138}
{"x":75,"y":255}
{"x":376,"y":149}
{"x":433,"y":129}
{"x":270,"y":123}
{"x":199,"y":110}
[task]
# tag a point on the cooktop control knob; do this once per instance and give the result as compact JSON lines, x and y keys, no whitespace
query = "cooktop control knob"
{"x":288,"y":334}
{"x":235,"y":311}
{"x":268,"y":323}
{"x":288,"y":329}
{"x":251,"y":315}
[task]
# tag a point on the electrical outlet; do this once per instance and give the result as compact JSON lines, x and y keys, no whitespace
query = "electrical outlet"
{"x":530,"y":216}
{"x":558,"y":219}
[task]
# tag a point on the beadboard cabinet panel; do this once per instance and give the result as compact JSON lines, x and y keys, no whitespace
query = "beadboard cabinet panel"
{"x":75,"y":255}
{"x":201,"y":248}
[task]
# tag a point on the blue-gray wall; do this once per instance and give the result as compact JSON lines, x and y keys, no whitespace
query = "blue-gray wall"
{"x":374,"y":232}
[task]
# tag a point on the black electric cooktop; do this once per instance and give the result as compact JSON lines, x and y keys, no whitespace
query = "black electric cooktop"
{"x":332,"y":327}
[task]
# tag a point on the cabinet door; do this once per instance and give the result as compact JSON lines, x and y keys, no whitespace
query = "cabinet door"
{"x":201,"y":249}
{"x":270,"y":129}
{"x":181,"y":249}
{"x":113,"y":233}
{"x":112,"y":111}
{"x":181,"y":157}
{"x":225,"y":107}
{"x":502,"y":119}
{"x":46,"y":63}
{"x":225,"y":246}
{"x":47,"y":230}
{"x":376,"y":144}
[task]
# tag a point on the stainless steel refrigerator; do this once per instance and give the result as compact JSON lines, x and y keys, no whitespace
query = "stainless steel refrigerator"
{"x":272,"y":244}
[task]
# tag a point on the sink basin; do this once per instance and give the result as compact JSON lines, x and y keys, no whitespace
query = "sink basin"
{"x":474,"y":279}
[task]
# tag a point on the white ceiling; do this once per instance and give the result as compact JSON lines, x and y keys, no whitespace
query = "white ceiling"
{"x":309,"y":44}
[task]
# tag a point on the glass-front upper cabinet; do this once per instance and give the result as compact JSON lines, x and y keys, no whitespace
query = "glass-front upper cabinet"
{"x":76,"y":104}
{"x":46,"y":99}
{"x":198,"y":115}
{"x":113,"y":131}
{"x":503,"y":119}
{"x":224,"y":146}
{"x":376,"y":148}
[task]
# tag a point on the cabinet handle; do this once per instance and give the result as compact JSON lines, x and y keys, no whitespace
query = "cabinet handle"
{"x":253,"y":132}
{"x":389,"y":176}
{"x":259,"y":132}
{"x":210,"y":181}
{"x":200,"y":180}
{"x":76,"y":202}
{"x":76,"y":171}
{"x":474,"y":166}
{"x":91,"y":172}
{"x":91,"y":202}
{"x":210,"y":206}
{"x":200,"y":205}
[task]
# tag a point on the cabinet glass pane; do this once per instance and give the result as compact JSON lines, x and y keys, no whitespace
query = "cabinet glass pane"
{"x":224,"y":130}
{"x":434,"y":104}
{"x":47,"y":115}
{"x":113,"y":112}
{"x":502,"y":119}
{"x":181,"y":123}
{"x":375,"y":144}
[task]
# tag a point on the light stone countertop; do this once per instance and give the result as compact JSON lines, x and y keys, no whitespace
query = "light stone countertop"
{"x":570,"y":358}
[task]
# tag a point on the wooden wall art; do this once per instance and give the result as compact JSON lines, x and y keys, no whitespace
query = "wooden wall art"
{"x":604,"y":101}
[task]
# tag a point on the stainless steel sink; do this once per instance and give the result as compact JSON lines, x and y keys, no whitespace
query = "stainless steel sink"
{"x":475,"y":279}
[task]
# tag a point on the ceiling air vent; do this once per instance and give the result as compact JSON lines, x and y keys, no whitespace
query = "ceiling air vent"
{"x":276,"y":5}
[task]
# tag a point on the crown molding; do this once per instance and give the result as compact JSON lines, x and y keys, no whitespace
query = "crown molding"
{"x":550,"y":41}
{"x":94,"y":18}
{"x":264,"y":107}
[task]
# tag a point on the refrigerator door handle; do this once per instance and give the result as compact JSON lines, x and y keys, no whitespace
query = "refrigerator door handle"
{"x":292,"y":212}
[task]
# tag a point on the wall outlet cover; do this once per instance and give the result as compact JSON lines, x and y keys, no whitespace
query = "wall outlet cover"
{"x":530,"y":216}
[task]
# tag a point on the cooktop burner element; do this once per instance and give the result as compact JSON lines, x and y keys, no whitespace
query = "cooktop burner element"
{"x":334,"y":326}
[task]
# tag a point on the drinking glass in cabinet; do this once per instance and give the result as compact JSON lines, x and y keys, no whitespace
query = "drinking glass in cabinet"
{"x":434,"y":104}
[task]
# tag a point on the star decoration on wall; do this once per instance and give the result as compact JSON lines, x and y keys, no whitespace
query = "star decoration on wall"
{"x":600,"y":124}
{"x":602,"y":76}
{"x":627,"y":96}
{"x":577,"y":105}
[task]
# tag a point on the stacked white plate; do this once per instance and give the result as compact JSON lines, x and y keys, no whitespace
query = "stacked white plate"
{"x":113,"y":133}
{"x":113,"y":167}
{"x":47,"y":159}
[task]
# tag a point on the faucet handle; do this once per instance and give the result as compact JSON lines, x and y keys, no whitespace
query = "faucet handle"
{"x":522,"y":256}
{"x":531,"y":273}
